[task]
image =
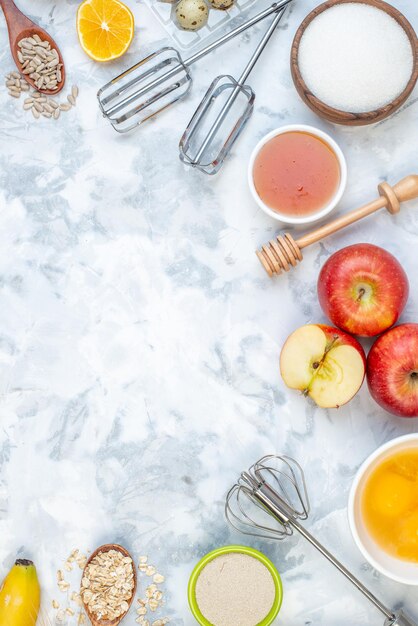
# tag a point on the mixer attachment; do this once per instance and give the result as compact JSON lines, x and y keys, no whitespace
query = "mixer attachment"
{"x":145,"y":89}
{"x":278,"y":480}
{"x":270,"y":499}
{"x":222,"y":114}
{"x":161,"y":79}
{"x":209,"y":112}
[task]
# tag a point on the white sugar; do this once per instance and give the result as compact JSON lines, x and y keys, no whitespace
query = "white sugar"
{"x":235,"y":590}
{"x":355,"y":57}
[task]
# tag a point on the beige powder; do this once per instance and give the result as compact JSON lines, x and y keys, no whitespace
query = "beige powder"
{"x":235,"y":590}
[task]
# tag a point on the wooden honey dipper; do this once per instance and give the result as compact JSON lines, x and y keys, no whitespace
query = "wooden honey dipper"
{"x":283,"y":252}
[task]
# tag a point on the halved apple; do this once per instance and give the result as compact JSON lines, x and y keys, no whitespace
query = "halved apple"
{"x":324,"y":363}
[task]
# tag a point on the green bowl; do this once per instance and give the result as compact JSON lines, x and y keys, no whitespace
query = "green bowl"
{"x":242,"y":550}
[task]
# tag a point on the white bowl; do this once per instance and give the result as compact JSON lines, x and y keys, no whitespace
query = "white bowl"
{"x":287,"y":219}
{"x":402,"y":571}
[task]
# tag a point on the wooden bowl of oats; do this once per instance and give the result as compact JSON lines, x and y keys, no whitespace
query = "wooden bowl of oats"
{"x":108,"y":585}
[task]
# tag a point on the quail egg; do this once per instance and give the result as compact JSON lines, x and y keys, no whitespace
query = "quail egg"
{"x":222,"y":4}
{"x":192,"y":14}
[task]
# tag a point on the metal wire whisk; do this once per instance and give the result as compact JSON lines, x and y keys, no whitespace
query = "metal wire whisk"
{"x":270,"y":500}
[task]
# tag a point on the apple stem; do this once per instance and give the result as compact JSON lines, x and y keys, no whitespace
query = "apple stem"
{"x":362,"y":291}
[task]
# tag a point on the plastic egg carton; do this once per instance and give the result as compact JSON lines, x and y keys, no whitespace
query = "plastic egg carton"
{"x":218,"y":21}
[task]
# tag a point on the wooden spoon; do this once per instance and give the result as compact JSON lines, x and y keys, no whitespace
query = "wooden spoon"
{"x":19,"y":27}
{"x":106,"y":548}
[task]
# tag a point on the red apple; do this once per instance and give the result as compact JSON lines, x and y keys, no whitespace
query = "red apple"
{"x":363,"y":289}
{"x":392,"y":370}
{"x":324,"y":363}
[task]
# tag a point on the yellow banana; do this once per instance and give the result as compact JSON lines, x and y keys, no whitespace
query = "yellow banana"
{"x":20,"y":595}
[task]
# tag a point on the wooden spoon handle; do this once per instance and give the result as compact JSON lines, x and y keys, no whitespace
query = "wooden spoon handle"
{"x":15,"y":19}
{"x":390,"y":197}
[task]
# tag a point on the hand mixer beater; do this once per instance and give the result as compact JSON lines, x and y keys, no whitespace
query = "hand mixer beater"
{"x":161,"y":79}
{"x":270,"y":500}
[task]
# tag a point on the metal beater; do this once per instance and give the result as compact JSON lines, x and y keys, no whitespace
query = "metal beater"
{"x":224,"y":111}
{"x":274,"y":489}
{"x":149,"y":87}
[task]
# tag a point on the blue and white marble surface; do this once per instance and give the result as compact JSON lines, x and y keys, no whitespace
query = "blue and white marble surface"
{"x":139,"y":335}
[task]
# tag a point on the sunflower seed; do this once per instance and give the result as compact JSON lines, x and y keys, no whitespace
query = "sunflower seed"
{"x":27,"y":106}
{"x":14,"y":94}
{"x":35,"y":113}
{"x":24,"y":86}
{"x":74,"y":91}
{"x":71,"y":99}
{"x":38,"y":107}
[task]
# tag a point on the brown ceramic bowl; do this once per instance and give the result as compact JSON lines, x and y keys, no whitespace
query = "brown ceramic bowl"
{"x":343,"y":117}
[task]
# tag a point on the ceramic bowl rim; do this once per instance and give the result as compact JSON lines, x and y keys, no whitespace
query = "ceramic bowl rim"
{"x":393,"y":443}
{"x":316,"y":132}
{"x":262,"y":558}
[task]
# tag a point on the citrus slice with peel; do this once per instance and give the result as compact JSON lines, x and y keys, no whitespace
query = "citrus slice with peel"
{"x":105,"y":28}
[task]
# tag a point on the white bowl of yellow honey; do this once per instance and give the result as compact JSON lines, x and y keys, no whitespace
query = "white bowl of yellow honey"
{"x":383,"y":509}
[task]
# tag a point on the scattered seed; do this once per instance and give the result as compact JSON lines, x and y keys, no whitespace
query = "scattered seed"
{"x":74,"y":91}
{"x":55,"y":604}
{"x":27,"y":106}
{"x":150,"y":571}
{"x":158,"y":578}
{"x":71,"y":99}
{"x":14,"y":94}
{"x":69,"y":611}
{"x":65,"y":106}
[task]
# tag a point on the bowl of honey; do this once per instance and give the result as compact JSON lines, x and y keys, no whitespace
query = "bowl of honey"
{"x":383,"y":509}
{"x":297,"y":174}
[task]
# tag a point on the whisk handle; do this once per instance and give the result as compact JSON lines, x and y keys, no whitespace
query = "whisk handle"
{"x":355,"y":581}
{"x":400,"y":620}
{"x":236,"y":31}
